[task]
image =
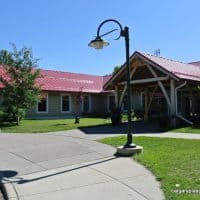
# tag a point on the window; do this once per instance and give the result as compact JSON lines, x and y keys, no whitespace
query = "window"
{"x":86,"y":104}
{"x":65,"y":103}
{"x":111,"y":102}
{"x":43,"y":103}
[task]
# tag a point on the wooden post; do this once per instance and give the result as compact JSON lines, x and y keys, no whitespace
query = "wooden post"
{"x":172,"y":97}
{"x":173,"y":104}
{"x":116,"y":96}
{"x":151,"y":97}
{"x":125,"y":88}
{"x":160,"y":85}
{"x":122,"y":96}
{"x":146,"y":117}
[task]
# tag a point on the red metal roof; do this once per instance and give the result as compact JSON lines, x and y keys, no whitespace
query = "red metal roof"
{"x":73,"y":82}
{"x":179,"y":69}
{"x":197,"y":63}
{"x":68,"y":82}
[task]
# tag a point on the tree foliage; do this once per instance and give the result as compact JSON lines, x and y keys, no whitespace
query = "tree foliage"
{"x":116,"y":69}
{"x":20,"y":91}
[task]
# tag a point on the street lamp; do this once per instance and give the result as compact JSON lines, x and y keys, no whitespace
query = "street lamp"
{"x":99,"y":43}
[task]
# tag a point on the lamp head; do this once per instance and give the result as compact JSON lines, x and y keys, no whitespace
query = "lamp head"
{"x":98,"y":43}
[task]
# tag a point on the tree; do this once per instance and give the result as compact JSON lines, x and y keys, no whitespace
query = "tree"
{"x":20,"y":91}
{"x":116,"y":69}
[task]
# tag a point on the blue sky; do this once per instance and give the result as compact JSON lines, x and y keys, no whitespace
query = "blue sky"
{"x":59,"y":30}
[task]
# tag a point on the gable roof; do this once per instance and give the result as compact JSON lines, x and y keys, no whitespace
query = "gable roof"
{"x":179,"y":69}
{"x":51,"y":80}
{"x":175,"y":69}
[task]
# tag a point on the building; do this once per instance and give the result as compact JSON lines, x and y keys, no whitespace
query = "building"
{"x":160,"y":87}
{"x":67,"y":94}
{"x":167,"y":88}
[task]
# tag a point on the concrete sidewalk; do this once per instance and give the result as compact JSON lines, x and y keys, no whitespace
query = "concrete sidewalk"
{"x":96,"y":136}
{"x":70,"y":165}
{"x":192,"y":136}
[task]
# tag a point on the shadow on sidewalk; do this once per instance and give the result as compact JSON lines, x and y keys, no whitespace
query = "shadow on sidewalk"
{"x":20,"y":180}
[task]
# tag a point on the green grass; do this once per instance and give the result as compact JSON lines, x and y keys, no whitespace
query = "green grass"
{"x":188,"y":129}
{"x":41,"y":126}
{"x":172,"y":161}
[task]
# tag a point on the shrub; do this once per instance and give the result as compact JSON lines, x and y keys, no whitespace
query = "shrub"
{"x":116,"y":116}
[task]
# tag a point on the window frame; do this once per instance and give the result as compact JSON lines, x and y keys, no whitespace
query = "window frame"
{"x":47,"y":104}
{"x":61,"y":103}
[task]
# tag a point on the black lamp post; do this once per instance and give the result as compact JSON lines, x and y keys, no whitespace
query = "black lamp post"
{"x":99,"y":43}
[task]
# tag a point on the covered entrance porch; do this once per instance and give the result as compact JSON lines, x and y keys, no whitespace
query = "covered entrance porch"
{"x":156,"y":91}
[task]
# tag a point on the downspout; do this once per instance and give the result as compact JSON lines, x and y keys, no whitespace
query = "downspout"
{"x":179,"y":116}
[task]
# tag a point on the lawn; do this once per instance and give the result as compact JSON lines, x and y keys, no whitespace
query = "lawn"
{"x":174,"y":162}
{"x":188,"y":129}
{"x":41,"y":126}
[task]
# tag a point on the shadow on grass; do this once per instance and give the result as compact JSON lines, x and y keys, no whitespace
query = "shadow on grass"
{"x":60,"y":124}
{"x":137,"y":127}
{"x":93,"y":126}
{"x":7,"y":124}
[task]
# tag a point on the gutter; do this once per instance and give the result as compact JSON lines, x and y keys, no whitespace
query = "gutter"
{"x":179,"y":116}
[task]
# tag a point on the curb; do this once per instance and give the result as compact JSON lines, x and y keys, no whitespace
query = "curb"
{"x":3,"y":191}
{"x":8,"y":190}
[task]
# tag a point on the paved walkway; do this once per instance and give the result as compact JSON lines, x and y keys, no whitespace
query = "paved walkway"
{"x":174,"y":135}
{"x":70,"y":165}
{"x":161,"y":135}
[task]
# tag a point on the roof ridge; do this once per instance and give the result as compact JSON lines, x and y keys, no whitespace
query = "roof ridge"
{"x":59,"y":71}
{"x":162,"y":57}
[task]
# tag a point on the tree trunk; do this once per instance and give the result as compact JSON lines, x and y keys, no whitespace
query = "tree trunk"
{"x":18,"y":120}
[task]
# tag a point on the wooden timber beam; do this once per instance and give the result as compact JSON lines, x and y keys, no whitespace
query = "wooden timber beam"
{"x":122,"y":95}
{"x":125,"y":87}
{"x":161,"y":85}
{"x":146,"y":116}
{"x":151,"y":97}
{"x":116,"y":95}
{"x":147,"y":80}
{"x":173,"y":99}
